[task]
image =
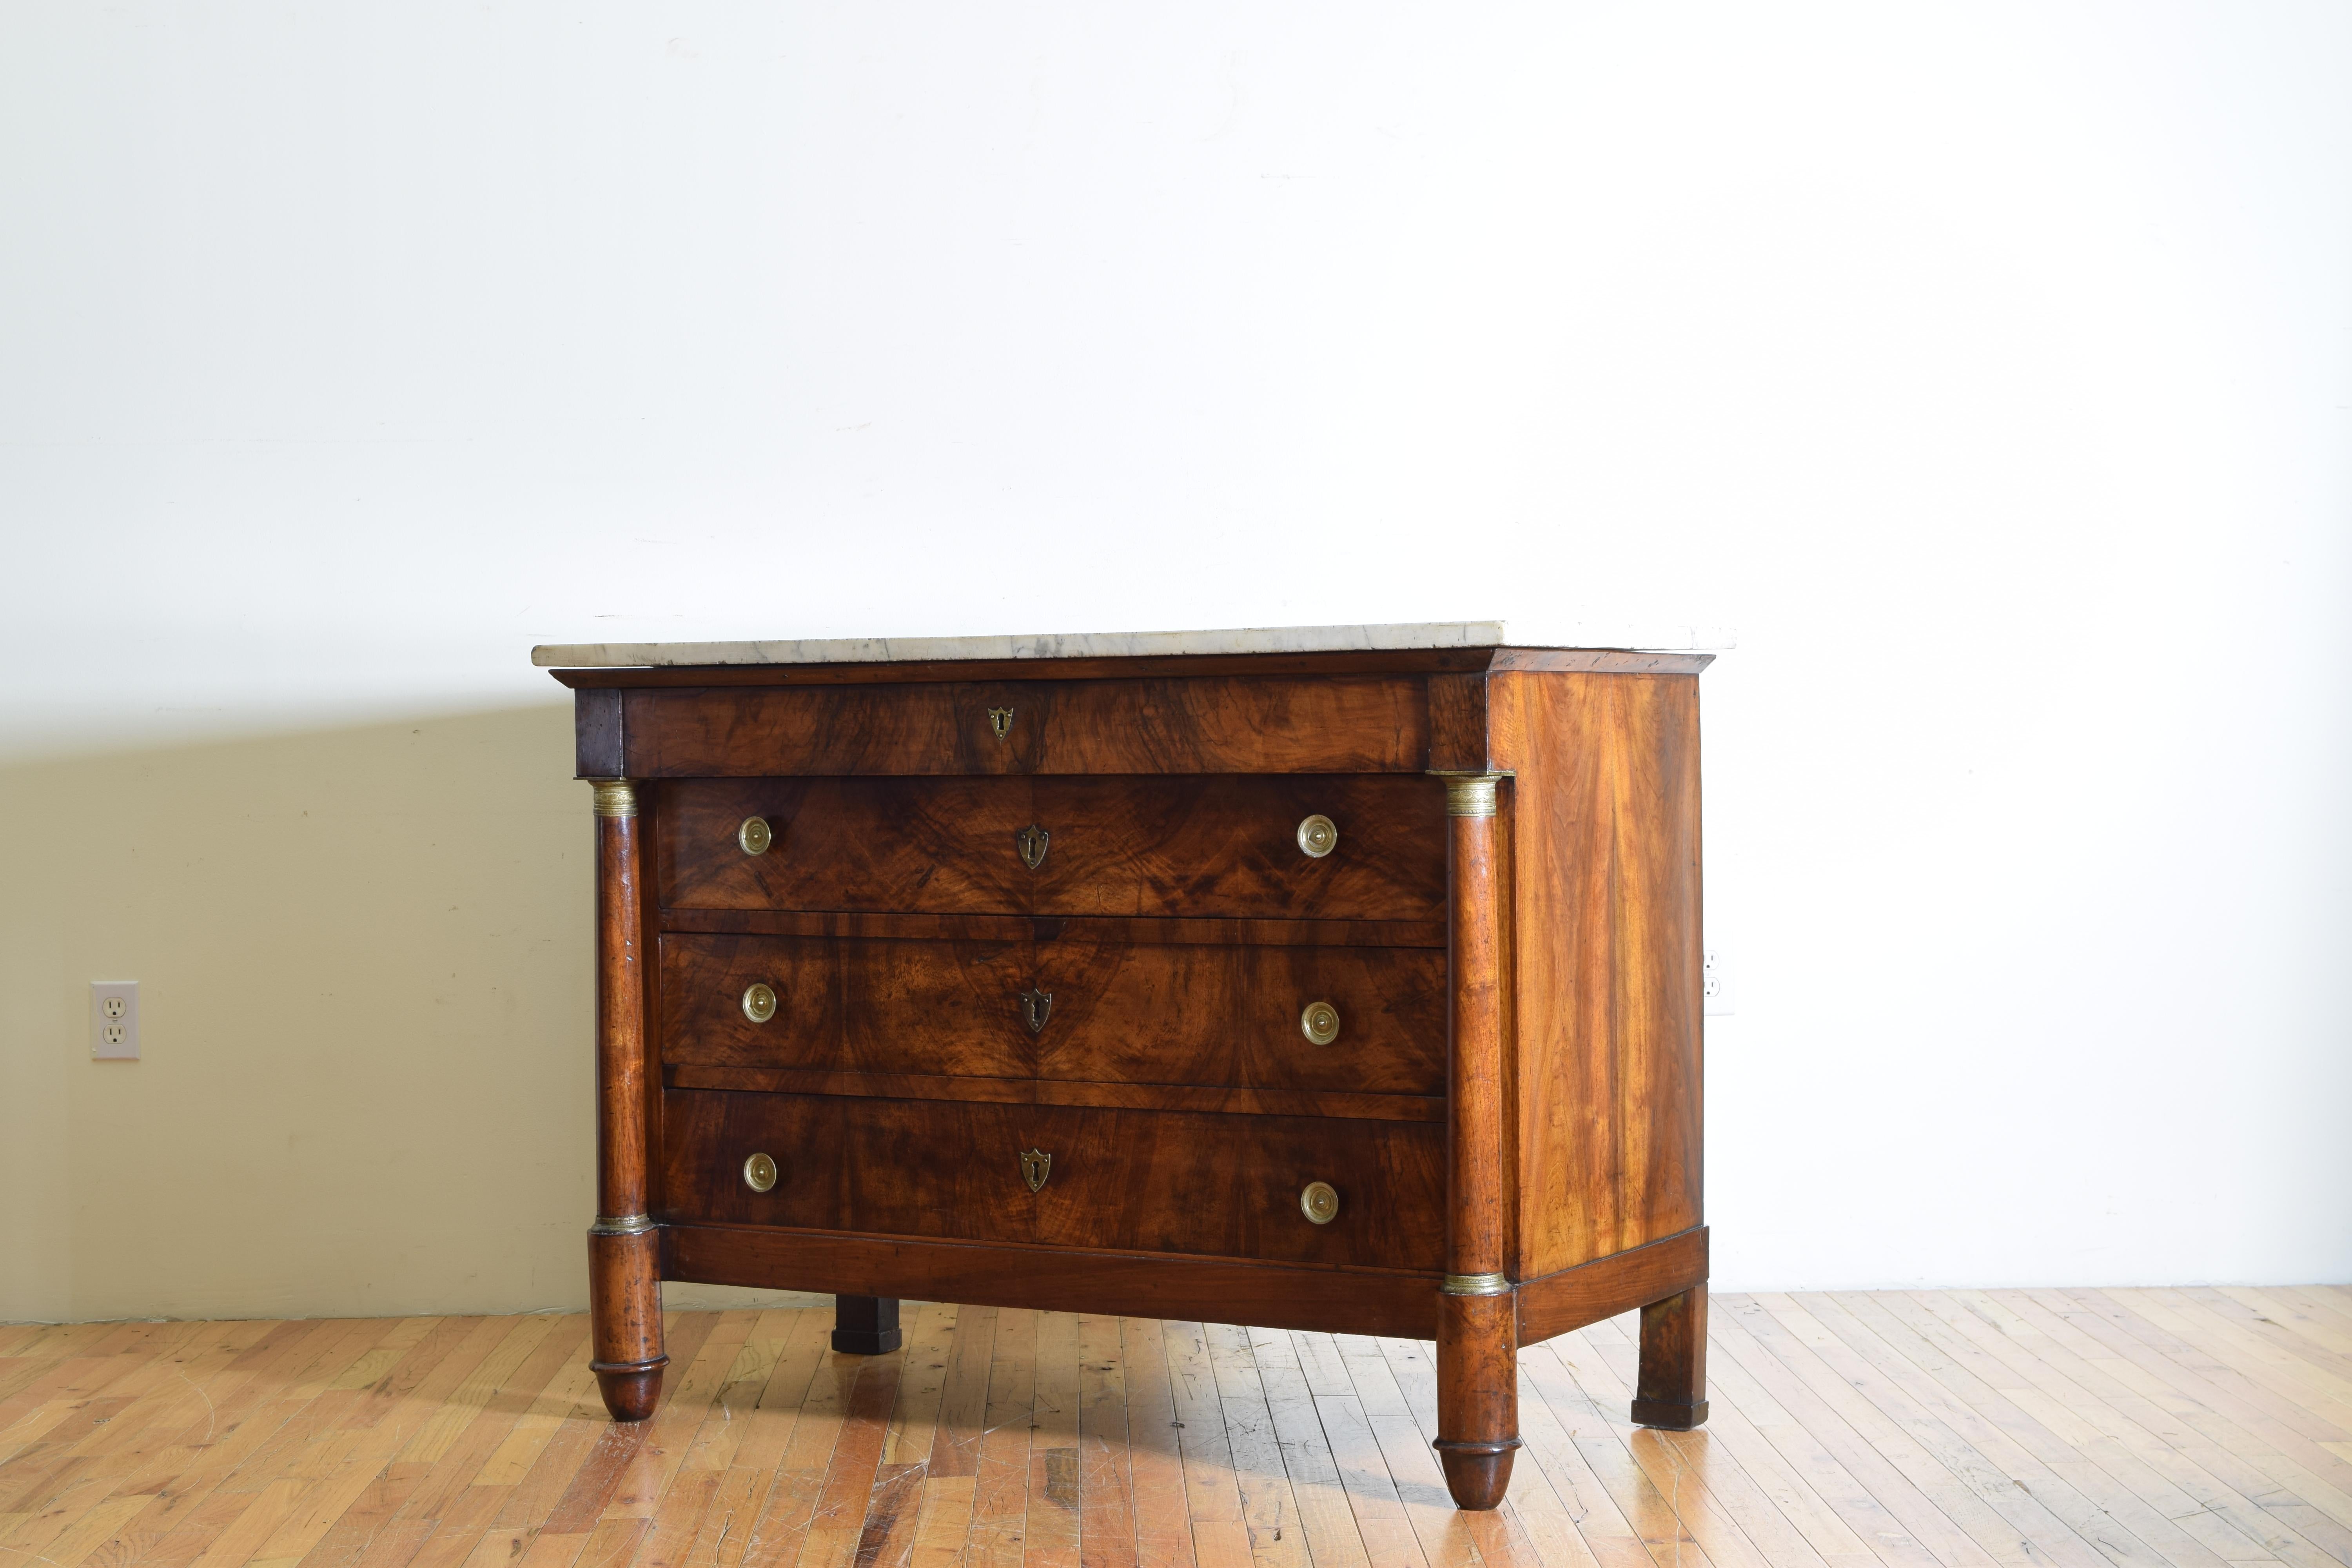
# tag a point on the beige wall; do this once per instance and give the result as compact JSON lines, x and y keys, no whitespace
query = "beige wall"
{"x":364,"y":983}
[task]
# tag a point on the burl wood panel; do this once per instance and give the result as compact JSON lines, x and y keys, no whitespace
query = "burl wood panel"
{"x":1159,"y":1014}
{"x":1230,"y":725}
{"x":1199,"y":845}
{"x":1163,"y":1182}
{"x":1606,"y":998}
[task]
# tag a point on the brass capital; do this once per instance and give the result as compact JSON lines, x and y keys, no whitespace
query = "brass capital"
{"x":615,"y":797}
{"x":1476,"y":1285}
{"x":1471,"y":794}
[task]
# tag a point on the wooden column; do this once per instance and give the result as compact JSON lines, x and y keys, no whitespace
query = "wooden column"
{"x":1477,"y":1331}
{"x":624,"y":1254}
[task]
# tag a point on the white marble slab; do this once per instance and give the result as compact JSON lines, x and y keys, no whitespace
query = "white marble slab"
{"x":1131,"y":645}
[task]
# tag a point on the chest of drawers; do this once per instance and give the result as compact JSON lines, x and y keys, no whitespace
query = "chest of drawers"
{"x":1353,"y":986}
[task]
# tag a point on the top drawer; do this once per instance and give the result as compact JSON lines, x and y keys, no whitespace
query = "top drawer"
{"x":1201,"y":845}
{"x":1252,"y":725}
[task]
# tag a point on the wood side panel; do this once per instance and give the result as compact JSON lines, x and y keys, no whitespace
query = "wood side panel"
{"x":1161,"y":1182}
{"x":1216,"y":846}
{"x":1217,"y":725}
{"x":1605,"y":862}
{"x":1328,"y":1301}
{"x":1203,"y":1015}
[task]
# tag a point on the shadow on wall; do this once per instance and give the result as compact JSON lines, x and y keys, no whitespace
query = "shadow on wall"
{"x":364,"y":959}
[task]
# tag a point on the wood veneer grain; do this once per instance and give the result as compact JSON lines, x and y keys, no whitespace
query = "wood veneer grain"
{"x":1214,"y":725}
{"x":1163,"y":1182}
{"x":1200,"y":847}
{"x":1174,"y":1015}
{"x":1605,"y":849}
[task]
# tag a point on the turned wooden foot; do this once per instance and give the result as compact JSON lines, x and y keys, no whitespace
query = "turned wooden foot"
{"x":865,"y":1325}
{"x":624,"y":1326}
{"x":1671,"y":1392}
{"x":1476,"y":1476}
{"x":1477,"y":1396}
{"x":630,"y":1392}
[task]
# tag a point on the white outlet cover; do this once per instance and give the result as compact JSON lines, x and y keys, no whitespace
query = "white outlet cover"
{"x":1717,"y":982}
{"x":114,"y":1020}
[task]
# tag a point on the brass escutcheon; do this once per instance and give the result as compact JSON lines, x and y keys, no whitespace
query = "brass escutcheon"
{"x":1320,"y":1202}
{"x":1001,"y":720}
{"x":759,"y":1173}
{"x":1032,"y":841}
{"x":1035,"y":1166}
{"x":1037,"y":1006}
{"x":755,"y":836}
{"x":1319,"y":836}
{"x":1319,"y":1022}
{"x":759,"y":1002}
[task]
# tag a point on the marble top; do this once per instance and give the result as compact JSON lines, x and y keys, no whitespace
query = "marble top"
{"x":1133,"y":645}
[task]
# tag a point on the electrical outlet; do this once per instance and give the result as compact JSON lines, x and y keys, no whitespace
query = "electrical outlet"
{"x":114,"y":1020}
{"x":1715,"y":984}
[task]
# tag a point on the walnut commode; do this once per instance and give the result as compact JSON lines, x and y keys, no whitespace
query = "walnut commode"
{"x":1352,"y":990}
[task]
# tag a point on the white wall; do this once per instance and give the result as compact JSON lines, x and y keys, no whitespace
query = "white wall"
{"x":1987,"y":367}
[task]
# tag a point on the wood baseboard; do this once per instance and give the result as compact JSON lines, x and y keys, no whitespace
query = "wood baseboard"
{"x":1136,"y":1285}
{"x":1559,"y":1303}
{"x":1148,"y":1285}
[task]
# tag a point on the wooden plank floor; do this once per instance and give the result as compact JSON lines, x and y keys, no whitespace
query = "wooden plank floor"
{"x":2192,"y":1428}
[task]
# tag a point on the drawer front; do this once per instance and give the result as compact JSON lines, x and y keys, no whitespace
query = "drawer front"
{"x":1226,"y":1186}
{"x":1208,"y":725}
{"x":1118,"y":1012}
{"x":1195,"y":846}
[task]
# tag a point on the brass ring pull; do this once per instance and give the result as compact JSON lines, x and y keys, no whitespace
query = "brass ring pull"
{"x":755,"y":836}
{"x":1317,"y":836}
{"x":1320,"y":1202}
{"x":760,"y":1172}
{"x":1319,"y":1022}
{"x":759,"y":1002}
